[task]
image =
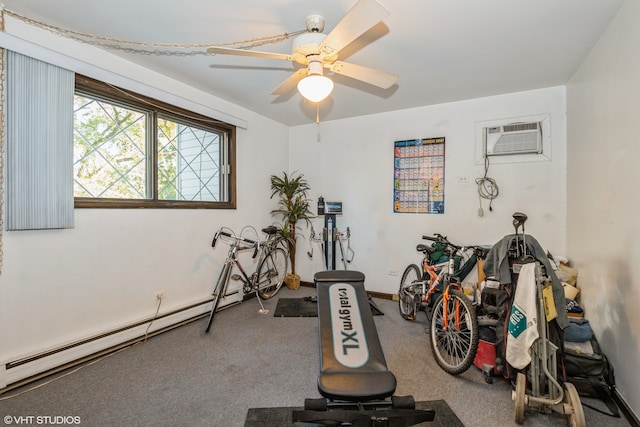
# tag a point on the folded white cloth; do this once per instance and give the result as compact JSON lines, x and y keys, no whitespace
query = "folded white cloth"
{"x":523,"y":320}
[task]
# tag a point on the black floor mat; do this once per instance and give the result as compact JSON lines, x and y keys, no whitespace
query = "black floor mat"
{"x":296,"y":307}
{"x":281,"y":417}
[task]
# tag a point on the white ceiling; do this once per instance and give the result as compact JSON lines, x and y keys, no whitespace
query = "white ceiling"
{"x":442,"y":50}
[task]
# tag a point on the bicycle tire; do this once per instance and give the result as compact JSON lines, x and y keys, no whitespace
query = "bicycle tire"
{"x":218,"y":292}
{"x":271,"y":273}
{"x":454,"y":348}
{"x":409,"y":300}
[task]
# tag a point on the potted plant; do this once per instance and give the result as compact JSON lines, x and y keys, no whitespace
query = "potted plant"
{"x":293,"y":206}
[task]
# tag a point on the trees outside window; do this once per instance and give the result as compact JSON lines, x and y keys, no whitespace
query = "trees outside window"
{"x":130,"y":151}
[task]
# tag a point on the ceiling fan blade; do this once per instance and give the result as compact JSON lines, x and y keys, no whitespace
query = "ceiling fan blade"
{"x":290,"y":83}
{"x":364,"y":15}
{"x":378,"y":78}
{"x":245,"y":52}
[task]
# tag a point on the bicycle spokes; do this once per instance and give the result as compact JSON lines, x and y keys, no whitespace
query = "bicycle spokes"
{"x":454,"y":344}
{"x":454,"y":332}
{"x":271,"y":273}
{"x":410,"y":300}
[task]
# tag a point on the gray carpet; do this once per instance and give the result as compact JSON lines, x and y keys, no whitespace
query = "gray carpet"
{"x":269,"y":417}
{"x":250,"y":360}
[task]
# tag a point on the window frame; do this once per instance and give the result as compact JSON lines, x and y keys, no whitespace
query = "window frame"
{"x":87,"y":86}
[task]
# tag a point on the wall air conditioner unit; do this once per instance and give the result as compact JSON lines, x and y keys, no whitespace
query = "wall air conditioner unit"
{"x":513,"y":138}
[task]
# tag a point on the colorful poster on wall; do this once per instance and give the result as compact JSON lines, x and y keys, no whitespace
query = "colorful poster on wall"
{"x":419,"y":176}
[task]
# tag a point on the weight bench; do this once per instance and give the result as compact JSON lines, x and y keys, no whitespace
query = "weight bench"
{"x":356,"y":386}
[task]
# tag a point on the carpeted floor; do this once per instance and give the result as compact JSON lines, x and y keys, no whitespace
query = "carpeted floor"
{"x":269,"y":417}
{"x":186,"y":377}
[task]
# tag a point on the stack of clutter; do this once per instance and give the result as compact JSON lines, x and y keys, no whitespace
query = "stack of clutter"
{"x":568,"y":276}
{"x":587,"y":367}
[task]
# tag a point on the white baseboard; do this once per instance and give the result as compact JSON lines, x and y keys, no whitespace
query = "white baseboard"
{"x":28,"y":368}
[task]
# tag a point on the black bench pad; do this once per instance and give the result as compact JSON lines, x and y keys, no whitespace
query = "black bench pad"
{"x":352,"y":364}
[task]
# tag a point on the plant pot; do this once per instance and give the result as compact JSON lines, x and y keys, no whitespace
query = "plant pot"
{"x":292,"y":281}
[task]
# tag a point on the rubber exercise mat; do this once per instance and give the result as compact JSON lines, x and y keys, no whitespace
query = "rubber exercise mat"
{"x":296,"y":307}
{"x":281,"y":417}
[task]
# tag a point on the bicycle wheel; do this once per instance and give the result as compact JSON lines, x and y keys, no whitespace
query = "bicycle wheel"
{"x":409,"y":296}
{"x":219,"y":291}
{"x":455,"y":342}
{"x":271,"y":273}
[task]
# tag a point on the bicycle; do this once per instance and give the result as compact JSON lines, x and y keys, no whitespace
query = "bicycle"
{"x":268,"y":277}
{"x":437,"y":290}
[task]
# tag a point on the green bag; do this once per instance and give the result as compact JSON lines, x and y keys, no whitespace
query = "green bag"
{"x":439,"y":255}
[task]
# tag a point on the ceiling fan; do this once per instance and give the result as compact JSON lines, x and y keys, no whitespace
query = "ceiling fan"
{"x":318,"y":51}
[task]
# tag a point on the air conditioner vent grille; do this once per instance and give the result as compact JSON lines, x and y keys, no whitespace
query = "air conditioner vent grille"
{"x":518,"y":127}
{"x":513,"y":138}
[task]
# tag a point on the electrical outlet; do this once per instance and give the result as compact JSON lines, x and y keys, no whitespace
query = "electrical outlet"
{"x":160,"y":295}
{"x":463,"y":179}
{"x":393,"y":272}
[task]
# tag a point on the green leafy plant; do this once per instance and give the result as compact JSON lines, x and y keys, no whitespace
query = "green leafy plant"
{"x":293,"y":206}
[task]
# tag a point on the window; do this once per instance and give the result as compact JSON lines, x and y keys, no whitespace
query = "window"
{"x":132,"y":151}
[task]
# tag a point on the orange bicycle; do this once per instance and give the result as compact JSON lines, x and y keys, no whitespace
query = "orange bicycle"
{"x":437,"y":290}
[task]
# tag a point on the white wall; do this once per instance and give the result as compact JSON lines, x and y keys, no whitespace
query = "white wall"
{"x":603,"y":178}
{"x":352,"y":161}
{"x":61,"y":286}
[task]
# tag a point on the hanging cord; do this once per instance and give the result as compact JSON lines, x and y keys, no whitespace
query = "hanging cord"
{"x":150,"y":48}
{"x":487,"y":188}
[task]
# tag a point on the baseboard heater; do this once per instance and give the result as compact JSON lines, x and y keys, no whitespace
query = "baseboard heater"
{"x":20,"y":372}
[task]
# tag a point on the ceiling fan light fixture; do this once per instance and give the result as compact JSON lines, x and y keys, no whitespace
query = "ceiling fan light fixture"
{"x":315,"y":87}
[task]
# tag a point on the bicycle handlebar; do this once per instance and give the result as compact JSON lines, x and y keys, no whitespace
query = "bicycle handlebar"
{"x":236,"y":241}
{"x":439,"y":238}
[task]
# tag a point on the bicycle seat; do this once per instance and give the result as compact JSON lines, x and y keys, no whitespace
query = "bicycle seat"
{"x":425,"y":249}
{"x":272,"y":229}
